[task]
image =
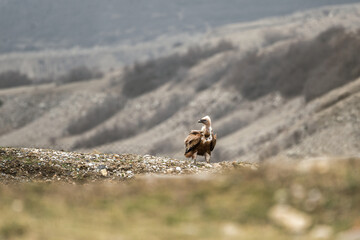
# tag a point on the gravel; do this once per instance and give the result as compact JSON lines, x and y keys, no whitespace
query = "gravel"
{"x":31,"y":164}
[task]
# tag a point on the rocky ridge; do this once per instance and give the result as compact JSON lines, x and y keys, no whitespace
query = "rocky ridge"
{"x":31,"y":164}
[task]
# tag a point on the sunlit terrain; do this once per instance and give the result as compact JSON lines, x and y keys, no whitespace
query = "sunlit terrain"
{"x":97,"y":97}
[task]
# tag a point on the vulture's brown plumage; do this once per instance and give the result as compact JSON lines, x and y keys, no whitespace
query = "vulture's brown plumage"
{"x":200,"y":142}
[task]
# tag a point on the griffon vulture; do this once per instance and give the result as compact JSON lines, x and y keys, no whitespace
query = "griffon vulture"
{"x":200,"y":142}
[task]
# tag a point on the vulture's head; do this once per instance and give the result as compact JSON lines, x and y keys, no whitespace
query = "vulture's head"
{"x":205,"y":120}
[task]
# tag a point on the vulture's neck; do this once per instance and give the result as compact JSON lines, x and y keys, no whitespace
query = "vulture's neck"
{"x":207,"y":129}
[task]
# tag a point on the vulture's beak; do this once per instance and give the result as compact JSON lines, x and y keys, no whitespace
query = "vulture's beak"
{"x":201,"y":121}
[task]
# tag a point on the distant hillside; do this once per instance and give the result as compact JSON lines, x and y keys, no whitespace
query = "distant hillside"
{"x":50,"y":24}
{"x":52,"y":62}
{"x":304,"y":103}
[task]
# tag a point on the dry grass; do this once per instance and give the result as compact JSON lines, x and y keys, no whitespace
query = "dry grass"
{"x":230,"y":206}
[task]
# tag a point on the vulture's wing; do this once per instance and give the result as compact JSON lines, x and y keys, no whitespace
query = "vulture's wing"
{"x":195,"y":132}
{"x":192,"y":140}
{"x":213,"y":142}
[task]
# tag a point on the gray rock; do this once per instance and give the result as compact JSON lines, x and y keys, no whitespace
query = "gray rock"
{"x":102,"y":166}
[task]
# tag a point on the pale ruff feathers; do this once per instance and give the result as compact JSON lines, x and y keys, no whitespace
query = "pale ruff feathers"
{"x":204,"y":129}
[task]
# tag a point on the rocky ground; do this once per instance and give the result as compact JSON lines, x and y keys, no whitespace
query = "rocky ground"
{"x":31,"y":164}
{"x":47,"y":194}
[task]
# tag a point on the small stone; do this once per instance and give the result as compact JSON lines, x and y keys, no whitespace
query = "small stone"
{"x":217,"y":165}
{"x":102,"y":166}
{"x":104,"y":172}
{"x":178,"y":169}
{"x":321,"y":232}
{"x":290,"y":218}
{"x":208,"y":165}
{"x":187,"y":171}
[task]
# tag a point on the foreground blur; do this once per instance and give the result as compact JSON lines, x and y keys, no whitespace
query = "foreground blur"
{"x":310,"y":199}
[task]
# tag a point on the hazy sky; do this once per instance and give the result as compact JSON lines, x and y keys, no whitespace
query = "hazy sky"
{"x":36,"y":24}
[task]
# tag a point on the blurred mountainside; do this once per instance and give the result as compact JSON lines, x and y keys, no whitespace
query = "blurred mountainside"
{"x":290,"y":87}
{"x":46,"y":38}
{"x":43,"y":24}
